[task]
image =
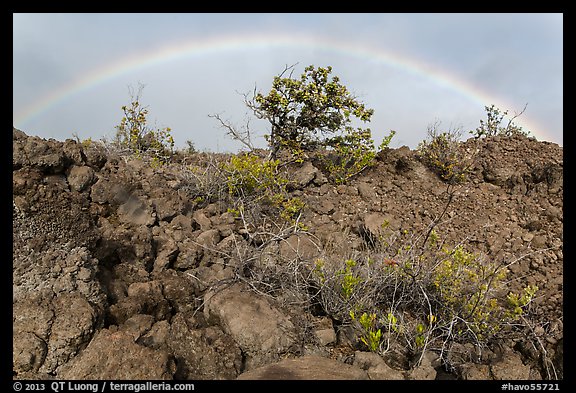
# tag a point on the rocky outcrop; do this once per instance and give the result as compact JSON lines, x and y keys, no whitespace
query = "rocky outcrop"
{"x":308,"y":367}
{"x":115,"y":355}
{"x":261,"y":330}
{"x":120,"y":271}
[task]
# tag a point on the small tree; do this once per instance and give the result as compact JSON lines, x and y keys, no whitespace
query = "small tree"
{"x":304,"y":112}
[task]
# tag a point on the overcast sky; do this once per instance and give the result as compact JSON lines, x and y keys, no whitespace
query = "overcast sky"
{"x":72,"y":72}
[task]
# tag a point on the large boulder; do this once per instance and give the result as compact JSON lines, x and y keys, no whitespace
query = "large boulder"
{"x":308,"y":367}
{"x":376,"y":367}
{"x":205,"y":353}
{"x":262,"y":331}
{"x":72,"y":329}
{"x":115,"y":355}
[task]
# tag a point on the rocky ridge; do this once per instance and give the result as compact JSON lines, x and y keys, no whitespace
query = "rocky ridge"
{"x":118,"y":273}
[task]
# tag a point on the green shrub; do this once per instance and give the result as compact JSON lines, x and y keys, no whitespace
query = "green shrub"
{"x":304,"y":111}
{"x":248,"y":174}
{"x":493,"y":124}
{"x":291,"y":210}
{"x":349,"y":280}
{"x":256,"y":183}
{"x":134,"y":134}
{"x":350,"y":154}
{"x":428,"y":295}
{"x":371,"y":335}
{"x":443,"y":155}
{"x":311,"y":118}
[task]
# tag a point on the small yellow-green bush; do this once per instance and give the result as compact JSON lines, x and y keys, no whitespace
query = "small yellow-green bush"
{"x":257,"y":182}
{"x":349,"y":278}
{"x":443,"y":155}
{"x":134,"y":134}
{"x":371,"y":335}
{"x":248,"y":174}
{"x":350,"y":154}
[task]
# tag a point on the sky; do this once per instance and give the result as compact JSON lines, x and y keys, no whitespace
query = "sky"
{"x":72,"y":73}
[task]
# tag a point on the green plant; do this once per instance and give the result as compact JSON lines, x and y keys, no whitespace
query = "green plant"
{"x":493,"y":124}
{"x":303,"y":111}
{"x":517,"y":303}
{"x":191,"y":149}
{"x":420,"y":339}
{"x":392,"y":322}
{"x":259,"y":182}
{"x":312,"y":117}
{"x":463,"y":284}
{"x":443,"y":155}
{"x":134,"y":134}
{"x":86,"y":143}
{"x":248,"y":174}
{"x":349,"y":279}
{"x":371,"y":335}
{"x":291,"y":209}
{"x":433,"y":237}
{"x":429,"y":295}
{"x":319,"y":270}
{"x":351,"y":153}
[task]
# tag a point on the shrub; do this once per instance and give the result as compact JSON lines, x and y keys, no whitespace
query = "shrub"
{"x":427,"y":296}
{"x":309,"y":115}
{"x":349,"y":280}
{"x":248,"y":174}
{"x":443,"y":155}
{"x":256,"y":183}
{"x":371,"y":335}
{"x":191,"y":149}
{"x":493,"y":124}
{"x":350,"y":154}
{"x":134,"y":134}
{"x":201,"y":177}
{"x":304,"y":111}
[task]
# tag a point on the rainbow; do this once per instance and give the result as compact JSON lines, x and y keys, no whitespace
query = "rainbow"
{"x":244,"y":43}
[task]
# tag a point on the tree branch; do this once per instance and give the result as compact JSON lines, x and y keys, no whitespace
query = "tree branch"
{"x":515,"y":116}
{"x":243,"y":137}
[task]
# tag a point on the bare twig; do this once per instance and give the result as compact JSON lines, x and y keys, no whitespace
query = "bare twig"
{"x":242,"y":136}
{"x":514,"y":117}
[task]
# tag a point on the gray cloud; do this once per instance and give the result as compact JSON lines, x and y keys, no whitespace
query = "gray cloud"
{"x":514,"y":57}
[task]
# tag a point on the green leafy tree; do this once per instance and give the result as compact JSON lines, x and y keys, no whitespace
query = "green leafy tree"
{"x":309,"y":112}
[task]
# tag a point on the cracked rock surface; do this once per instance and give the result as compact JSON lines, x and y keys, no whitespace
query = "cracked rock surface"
{"x":119,"y":272}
